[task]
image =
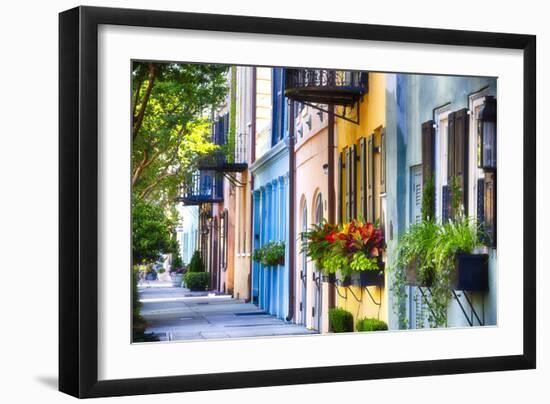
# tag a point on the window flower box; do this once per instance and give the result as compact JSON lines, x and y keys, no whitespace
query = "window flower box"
{"x":471,"y":273}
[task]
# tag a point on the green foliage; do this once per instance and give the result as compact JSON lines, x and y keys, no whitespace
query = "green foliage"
{"x":151,"y":230}
{"x":340,"y":320}
{"x":428,"y":199}
{"x":229,"y":147}
{"x":196,"y":264}
{"x":271,"y":253}
{"x":138,"y":322}
{"x":161,"y":270}
{"x":196,"y":281}
{"x":316,"y":245}
{"x":353,"y":246}
{"x":432,"y":248}
{"x":171,"y":103}
{"x":371,"y":324}
{"x":457,"y":209}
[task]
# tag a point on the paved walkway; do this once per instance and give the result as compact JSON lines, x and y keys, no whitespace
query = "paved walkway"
{"x":175,"y":314}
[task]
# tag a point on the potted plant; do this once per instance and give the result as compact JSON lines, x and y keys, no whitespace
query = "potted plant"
{"x":270,"y":254}
{"x":177,"y":269}
{"x":458,"y":248}
{"x":317,"y":247}
{"x":356,"y":250}
{"x":349,"y":253}
{"x":444,"y":257}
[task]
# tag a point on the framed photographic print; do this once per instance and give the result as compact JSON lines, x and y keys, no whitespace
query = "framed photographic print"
{"x":250,"y":201}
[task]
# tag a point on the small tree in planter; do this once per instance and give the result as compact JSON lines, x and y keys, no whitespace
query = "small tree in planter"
{"x":177,"y":268}
{"x":196,"y":264}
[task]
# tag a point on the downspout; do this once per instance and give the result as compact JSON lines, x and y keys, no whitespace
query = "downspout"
{"x":291,"y":204}
{"x":331,"y":190}
{"x":252,"y":154}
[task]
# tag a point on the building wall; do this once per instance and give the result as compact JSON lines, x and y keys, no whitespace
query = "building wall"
{"x":412,"y":100}
{"x":263,"y":110}
{"x":311,"y":154}
{"x":243,"y":198}
{"x":270,"y":285}
{"x":372,"y":120}
{"x":188,"y":231}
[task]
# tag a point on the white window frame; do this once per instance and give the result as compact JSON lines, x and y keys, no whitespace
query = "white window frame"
{"x":441,"y":120}
{"x":475,"y":102}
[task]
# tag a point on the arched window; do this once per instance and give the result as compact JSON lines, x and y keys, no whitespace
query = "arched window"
{"x":319,"y":208}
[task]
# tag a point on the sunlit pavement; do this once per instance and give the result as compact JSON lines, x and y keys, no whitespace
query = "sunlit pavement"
{"x":175,"y":314}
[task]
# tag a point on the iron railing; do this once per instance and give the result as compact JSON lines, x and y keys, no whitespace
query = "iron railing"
{"x":203,"y":187}
{"x":339,"y":87}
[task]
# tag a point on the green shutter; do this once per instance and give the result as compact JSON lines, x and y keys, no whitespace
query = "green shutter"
{"x":340,"y":217}
{"x":348,"y":185}
{"x":353,"y":176}
{"x":383,"y":161}
{"x":363,"y":173}
{"x":370,"y":178}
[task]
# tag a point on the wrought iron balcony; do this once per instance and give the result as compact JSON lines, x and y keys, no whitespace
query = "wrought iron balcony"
{"x":204,"y":187}
{"x":338,"y":87}
{"x":231,"y":154}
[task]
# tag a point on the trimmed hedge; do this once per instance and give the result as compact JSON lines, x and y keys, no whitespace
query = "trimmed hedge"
{"x":196,"y":281}
{"x":371,"y":324}
{"x":340,"y":320}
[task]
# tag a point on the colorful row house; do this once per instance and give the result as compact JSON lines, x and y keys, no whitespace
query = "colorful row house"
{"x":443,"y":127}
{"x":301,"y":146}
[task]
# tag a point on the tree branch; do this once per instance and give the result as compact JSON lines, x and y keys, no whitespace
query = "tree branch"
{"x":139,"y":119}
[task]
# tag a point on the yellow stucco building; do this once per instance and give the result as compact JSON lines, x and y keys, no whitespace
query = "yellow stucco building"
{"x":360,"y":192}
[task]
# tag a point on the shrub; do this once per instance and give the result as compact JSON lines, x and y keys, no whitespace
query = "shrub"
{"x":196,"y":264}
{"x":371,"y":324}
{"x":340,"y":320}
{"x":196,"y":281}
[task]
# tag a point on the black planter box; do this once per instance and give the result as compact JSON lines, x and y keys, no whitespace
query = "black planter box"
{"x":368,"y":278}
{"x":341,"y":280}
{"x":330,"y":278}
{"x":471,"y":273}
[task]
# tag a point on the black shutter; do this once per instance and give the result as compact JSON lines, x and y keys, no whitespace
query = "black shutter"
{"x":428,"y":150}
{"x":353,"y":187}
{"x":363,"y":169}
{"x":340,"y":189}
{"x":481,"y":200}
{"x":461,"y":137}
{"x":490,"y":207}
{"x":383,"y":161}
{"x":348,"y":184}
{"x":445,"y":204}
{"x":370,"y":178}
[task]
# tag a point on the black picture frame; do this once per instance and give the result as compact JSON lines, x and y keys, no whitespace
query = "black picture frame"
{"x":78,"y":201}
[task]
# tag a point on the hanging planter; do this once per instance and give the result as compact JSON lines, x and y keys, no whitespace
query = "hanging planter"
{"x":271,"y":254}
{"x":471,"y":273}
{"x":412,"y":277}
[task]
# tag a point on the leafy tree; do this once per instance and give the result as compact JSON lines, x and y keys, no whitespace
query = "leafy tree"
{"x":170,"y":125}
{"x":151,"y":232}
